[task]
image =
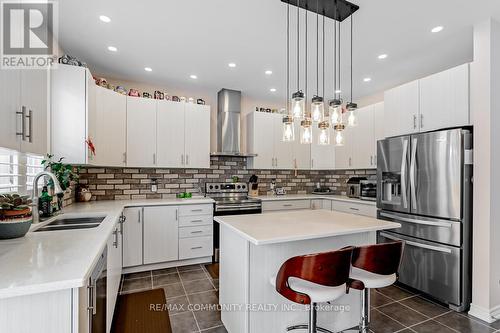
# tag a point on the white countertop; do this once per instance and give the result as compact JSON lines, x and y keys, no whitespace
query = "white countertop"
{"x":279,"y":227}
{"x":315,"y":196}
{"x":56,"y":260}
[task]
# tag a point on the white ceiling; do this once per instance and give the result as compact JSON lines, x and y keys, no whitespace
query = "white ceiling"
{"x":179,"y":38}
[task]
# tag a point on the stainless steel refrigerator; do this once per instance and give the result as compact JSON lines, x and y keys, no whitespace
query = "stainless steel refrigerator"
{"x":425,"y":184}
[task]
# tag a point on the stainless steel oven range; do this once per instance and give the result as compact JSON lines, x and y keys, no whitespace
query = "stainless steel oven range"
{"x":230,"y":199}
{"x":425,"y":184}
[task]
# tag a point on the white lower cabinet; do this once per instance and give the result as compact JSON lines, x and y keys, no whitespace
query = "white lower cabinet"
{"x":132,"y":237}
{"x":160,"y":234}
{"x":114,"y":274}
{"x":355,"y":208}
{"x":321,"y":204}
{"x":275,"y":205}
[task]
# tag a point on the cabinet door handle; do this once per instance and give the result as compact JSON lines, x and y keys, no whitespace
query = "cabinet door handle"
{"x":350,"y":161}
{"x":421,"y":121}
{"x":30,"y":126}
{"x":414,"y":121}
{"x":115,"y":242}
{"x":371,"y":160}
{"x":139,"y":216}
{"x":125,"y":158}
{"x":177,"y":215}
{"x":182,"y":159}
{"x":187,"y":159}
{"x":312,"y":163}
{"x":196,"y":247}
{"x":154,"y":158}
{"x":22,"y":113}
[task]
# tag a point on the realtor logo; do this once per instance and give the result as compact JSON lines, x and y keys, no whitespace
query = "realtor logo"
{"x":28,"y":34}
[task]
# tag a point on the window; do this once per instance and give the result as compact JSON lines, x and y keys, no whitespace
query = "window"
{"x":17,"y":171}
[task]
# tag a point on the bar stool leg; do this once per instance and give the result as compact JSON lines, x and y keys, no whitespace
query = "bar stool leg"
{"x":365,"y":311}
{"x":312,"y":326}
{"x":312,"y":318}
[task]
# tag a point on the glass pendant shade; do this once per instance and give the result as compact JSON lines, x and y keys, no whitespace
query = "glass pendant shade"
{"x":306,"y":131}
{"x":288,"y":129}
{"x":324,"y":133}
{"x":298,"y":105}
{"x":317,"y":109}
{"x":335,"y":111}
{"x":352,"y":119}
{"x":339,"y":135}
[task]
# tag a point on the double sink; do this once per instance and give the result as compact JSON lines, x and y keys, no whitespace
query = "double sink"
{"x":69,"y":223}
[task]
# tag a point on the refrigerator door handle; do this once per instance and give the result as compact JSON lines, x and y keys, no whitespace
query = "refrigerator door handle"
{"x":413,"y":162}
{"x":409,"y":220}
{"x":415,"y":244}
{"x":403,"y":173}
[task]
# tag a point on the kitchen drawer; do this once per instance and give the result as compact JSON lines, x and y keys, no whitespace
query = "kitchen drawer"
{"x":193,"y":210}
{"x":204,"y":230}
{"x":191,"y":221}
{"x":195,"y":247}
{"x":355,"y":208}
{"x":285,"y":205}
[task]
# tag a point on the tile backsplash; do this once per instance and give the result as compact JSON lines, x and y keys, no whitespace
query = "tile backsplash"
{"x":135,"y":183}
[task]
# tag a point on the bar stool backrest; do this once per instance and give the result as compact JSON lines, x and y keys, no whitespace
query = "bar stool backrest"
{"x":383,"y":259}
{"x":328,"y":269}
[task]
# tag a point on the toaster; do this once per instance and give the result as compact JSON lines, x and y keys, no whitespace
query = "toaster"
{"x":354,"y":187}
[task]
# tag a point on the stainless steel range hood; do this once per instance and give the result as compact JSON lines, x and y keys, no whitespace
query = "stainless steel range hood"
{"x":228,"y":124}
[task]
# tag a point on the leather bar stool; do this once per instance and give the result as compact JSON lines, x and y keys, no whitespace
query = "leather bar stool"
{"x":312,"y":279}
{"x":374,"y":266}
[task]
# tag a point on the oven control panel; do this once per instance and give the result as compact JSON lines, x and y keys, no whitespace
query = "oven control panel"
{"x":226,"y":188}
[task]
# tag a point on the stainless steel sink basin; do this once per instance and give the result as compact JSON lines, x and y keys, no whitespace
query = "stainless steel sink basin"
{"x":72,"y":223}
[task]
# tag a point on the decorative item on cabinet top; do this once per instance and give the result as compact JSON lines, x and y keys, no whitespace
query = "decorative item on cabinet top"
{"x":72,"y":61}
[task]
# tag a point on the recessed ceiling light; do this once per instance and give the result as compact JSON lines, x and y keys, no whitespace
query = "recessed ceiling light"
{"x":148,"y":69}
{"x":437,"y":29}
{"x":104,"y":18}
{"x":232,"y":64}
{"x":272,"y":90}
{"x":112,"y":48}
{"x":338,"y":91}
{"x":367,"y":79}
{"x":194,"y":77}
{"x":268,"y":72}
{"x":382,"y":56}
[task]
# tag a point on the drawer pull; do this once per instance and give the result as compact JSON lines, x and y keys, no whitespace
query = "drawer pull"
{"x":287,"y":205}
{"x":196,"y":221}
{"x":197,"y":210}
{"x":197,"y":248}
{"x":352,"y":208}
{"x":196,"y":232}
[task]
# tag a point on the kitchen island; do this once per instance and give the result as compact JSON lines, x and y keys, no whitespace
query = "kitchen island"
{"x":253,"y":247}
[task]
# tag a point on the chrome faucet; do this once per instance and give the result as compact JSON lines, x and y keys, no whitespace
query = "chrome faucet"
{"x":57,"y":189}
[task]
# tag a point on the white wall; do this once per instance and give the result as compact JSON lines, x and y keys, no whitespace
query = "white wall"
{"x":485,"y":108}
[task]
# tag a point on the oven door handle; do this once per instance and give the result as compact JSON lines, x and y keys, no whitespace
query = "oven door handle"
{"x":219,"y":208}
{"x":409,"y":220}
{"x":415,"y":244}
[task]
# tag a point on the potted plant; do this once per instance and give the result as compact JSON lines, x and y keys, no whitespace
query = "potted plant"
{"x":65,"y":173}
{"x":15,"y":215}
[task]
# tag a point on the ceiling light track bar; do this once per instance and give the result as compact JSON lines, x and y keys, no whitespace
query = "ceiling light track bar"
{"x":337,"y":10}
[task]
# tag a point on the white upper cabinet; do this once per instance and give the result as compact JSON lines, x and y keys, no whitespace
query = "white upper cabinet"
{"x":197,"y":136}
{"x":322,"y":156}
{"x":170,"y":134}
{"x":343,"y":154}
{"x":301,"y":153}
{"x":107,"y":127}
{"x":141,"y":132}
{"x":283,"y":155}
{"x":260,"y":140}
{"x":444,"y":99}
{"x":69,"y":104}
{"x":10,"y":106}
{"x":363,"y":138}
{"x":401,"y":109}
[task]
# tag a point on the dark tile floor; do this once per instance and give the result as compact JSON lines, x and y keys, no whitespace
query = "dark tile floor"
{"x":393,"y":309}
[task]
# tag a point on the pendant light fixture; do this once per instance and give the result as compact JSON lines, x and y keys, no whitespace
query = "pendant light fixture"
{"x":324,"y":125}
{"x":298,"y":102}
{"x":335,"y":105}
{"x":339,"y":137}
{"x":306,"y":131}
{"x":288,"y":128}
{"x":352,"y":120}
{"x":317,"y":106}
{"x":339,"y":127}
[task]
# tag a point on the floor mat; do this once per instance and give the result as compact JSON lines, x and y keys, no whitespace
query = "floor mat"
{"x":142,"y":312}
{"x":213,"y":270}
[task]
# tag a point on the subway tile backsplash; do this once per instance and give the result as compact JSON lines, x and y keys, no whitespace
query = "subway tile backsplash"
{"x":135,"y":183}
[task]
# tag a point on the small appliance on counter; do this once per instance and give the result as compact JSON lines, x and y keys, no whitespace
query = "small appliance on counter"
{"x":354,"y":187}
{"x":280,"y":191}
{"x":322,"y":189}
{"x":368,"y":190}
{"x":253,"y":184}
